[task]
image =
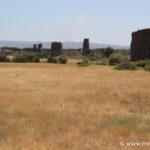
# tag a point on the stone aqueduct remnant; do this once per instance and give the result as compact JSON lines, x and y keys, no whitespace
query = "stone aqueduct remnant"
{"x":86,"y":47}
{"x":37,"y":47}
{"x":140,"y":45}
{"x":56,"y":48}
{"x":40,"y":46}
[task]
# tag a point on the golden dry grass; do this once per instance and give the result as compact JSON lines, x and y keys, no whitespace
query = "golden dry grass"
{"x":65,"y":107}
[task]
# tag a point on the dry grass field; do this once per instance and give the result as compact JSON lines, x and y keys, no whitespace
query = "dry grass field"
{"x":65,"y":107}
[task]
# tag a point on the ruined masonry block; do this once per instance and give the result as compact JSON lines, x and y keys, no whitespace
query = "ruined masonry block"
{"x":56,"y":48}
{"x":86,"y":47}
{"x":40,"y":46}
{"x":140,"y":45}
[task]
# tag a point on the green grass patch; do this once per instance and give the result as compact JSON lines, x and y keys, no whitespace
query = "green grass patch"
{"x":128,"y":122}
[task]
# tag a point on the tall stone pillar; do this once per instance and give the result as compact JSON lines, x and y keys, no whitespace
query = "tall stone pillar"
{"x":56,"y":48}
{"x":86,"y":47}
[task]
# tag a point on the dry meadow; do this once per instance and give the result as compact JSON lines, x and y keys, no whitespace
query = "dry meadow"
{"x":65,"y":107}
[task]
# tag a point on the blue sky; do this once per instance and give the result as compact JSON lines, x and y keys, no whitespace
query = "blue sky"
{"x":103,"y":21}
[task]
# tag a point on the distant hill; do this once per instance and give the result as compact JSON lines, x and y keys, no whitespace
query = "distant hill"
{"x":67,"y":45}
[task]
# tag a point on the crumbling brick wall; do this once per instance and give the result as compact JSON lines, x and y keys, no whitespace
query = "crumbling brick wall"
{"x":140,"y":45}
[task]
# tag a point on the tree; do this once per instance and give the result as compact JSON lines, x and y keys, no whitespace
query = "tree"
{"x":108,"y":52}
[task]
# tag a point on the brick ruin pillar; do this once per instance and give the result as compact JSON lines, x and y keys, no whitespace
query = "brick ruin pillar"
{"x":140,"y":45}
{"x":56,"y":48}
{"x":86,"y":47}
{"x":39,"y":47}
{"x":34,"y":47}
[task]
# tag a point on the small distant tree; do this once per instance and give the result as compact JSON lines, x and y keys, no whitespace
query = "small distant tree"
{"x":108,"y":52}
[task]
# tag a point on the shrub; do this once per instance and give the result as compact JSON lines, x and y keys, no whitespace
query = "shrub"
{"x":34,"y":58}
{"x":26,"y":58}
{"x":126,"y":66}
{"x":94,"y":56}
{"x":147,"y":67}
{"x":104,"y":61}
{"x":108,"y":52}
{"x":84,"y":58}
{"x":142,"y":63}
{"x":52,"y":59}
{"x":63,"y":59}
{"x":116,"y":59}
{"x":3,"y":58}
{"x":83,"y":64}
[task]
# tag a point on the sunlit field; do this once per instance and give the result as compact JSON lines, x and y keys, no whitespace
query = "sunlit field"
{"x":66,"y":107}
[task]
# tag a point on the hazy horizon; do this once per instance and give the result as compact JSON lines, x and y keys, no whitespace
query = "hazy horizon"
{"x":107,"y":22}
{"x":38,"y":41}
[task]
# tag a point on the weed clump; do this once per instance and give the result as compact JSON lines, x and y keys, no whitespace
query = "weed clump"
{"x":52,"y":59}
{"x":84,"y":64}
{"x":116,"y":59}
{"x":104,"y":61}
{"x":147,"y":67}
{"x":63,"y":59}
{"x":142,"y":63}
{"x":24,"y":58}
{"x":126,"y":66}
